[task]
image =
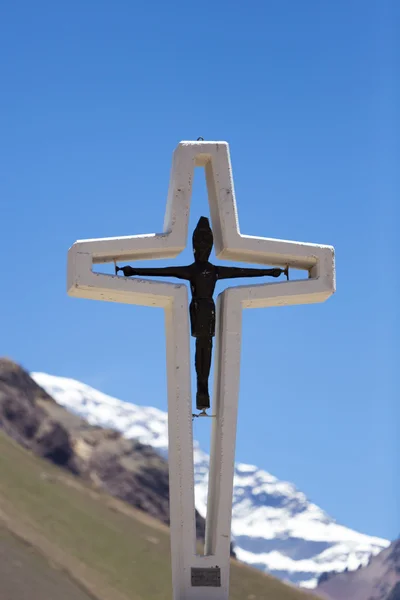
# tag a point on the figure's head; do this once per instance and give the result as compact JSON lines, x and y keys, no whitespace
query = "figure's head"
{"x":202,"y":240}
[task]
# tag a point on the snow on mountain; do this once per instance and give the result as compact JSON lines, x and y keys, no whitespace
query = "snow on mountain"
{"x":274,"y":526}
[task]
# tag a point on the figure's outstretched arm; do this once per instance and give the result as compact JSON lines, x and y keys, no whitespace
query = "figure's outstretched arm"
{"x":234,"y":272}
{"x":178,"y":272}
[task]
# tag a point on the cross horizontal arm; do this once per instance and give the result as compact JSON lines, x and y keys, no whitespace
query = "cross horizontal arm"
{"x":178,"y":272}
{"x":235,"y":272}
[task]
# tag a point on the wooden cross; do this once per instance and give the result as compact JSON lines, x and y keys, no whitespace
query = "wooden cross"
{"x":194,"y":576}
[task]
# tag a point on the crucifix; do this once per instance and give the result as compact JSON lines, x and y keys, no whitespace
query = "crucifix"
{"x":201,"y":576}
{"x":203,"y":277}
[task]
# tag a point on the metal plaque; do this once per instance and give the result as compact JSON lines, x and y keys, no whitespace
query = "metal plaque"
{"x":206,"y":577}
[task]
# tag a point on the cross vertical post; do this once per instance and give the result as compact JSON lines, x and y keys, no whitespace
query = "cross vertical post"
{"x":200,"y":577}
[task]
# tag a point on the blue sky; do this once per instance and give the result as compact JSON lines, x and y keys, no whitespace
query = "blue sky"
{"x":306,"y":93}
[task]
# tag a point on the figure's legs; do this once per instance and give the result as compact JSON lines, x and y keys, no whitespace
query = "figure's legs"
{"x":203,"y":366}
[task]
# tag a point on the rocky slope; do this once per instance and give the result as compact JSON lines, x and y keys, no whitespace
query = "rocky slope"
{"x":379,"y":580}
{"x":275,"y":527}
{"x":24,"y":417}
{"x":125,"y":468}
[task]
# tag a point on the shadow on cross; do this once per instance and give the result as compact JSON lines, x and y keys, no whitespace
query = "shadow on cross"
{"x":202,"y":276}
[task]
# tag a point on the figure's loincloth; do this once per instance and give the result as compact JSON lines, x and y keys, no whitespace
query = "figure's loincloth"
{"x":202,"y":317}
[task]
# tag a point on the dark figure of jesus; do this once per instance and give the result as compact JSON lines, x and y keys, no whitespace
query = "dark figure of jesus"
{"x":203,"y":277}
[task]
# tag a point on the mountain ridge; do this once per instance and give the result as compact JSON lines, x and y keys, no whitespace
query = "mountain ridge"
{"x":274,"y":526}
{"x":378,"y":580}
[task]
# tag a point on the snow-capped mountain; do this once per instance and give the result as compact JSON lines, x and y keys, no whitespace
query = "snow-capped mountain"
{"x":274,"y":526}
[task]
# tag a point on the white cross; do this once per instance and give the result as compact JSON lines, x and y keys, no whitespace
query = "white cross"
{"x":229,"y":244}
